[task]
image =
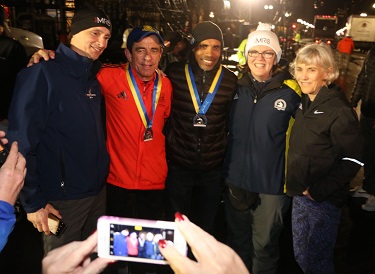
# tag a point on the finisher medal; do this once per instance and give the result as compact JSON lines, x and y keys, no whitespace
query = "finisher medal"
{"x":148,"y":135}
{"x":200,"y":120}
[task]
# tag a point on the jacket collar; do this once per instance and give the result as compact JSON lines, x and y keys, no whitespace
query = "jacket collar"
{"x":275,"y":81}
{"x":76,"y":64}
{"x":325,"y":94}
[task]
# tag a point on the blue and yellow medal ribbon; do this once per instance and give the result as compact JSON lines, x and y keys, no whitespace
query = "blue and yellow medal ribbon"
{"x":202,"y":108}
{"x":138,"y":98}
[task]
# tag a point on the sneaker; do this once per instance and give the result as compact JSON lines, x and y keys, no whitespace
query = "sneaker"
{"x":370,"y":205}
{"x":360,"y":193}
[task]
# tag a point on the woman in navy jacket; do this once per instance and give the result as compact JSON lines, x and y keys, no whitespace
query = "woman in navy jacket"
{"x":261,"y":113}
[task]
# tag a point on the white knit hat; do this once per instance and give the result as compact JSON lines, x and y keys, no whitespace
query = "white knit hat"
{"x":265,"y":37}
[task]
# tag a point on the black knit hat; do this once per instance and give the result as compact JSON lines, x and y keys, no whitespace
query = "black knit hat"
{"x":89,"y":17}
{"x":206,"y":30}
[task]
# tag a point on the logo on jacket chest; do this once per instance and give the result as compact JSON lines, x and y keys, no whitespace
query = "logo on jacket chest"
{"x":280,"y":104}
{"x":90,"y":95}
{"x":122,"y":95}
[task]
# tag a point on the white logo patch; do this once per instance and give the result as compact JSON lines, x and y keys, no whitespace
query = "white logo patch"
{"x":318,"y":112}
{"x":280,"y":104}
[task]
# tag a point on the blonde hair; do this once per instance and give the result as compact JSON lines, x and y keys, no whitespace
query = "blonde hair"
{"x":320,"y":55}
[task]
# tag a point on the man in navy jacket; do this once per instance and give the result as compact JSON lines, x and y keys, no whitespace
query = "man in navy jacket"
{"x":55,"y":116}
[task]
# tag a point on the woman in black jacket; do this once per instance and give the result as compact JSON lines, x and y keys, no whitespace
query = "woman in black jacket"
{"x":324,"y":155}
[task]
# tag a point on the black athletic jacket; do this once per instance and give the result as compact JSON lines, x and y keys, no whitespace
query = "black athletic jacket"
{"x":192,"y":147}
{"x":364,"y":88}
{"x":325,"y":149}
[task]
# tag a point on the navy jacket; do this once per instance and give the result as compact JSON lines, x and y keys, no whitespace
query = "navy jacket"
{"x":55,"y":116}
{"x":259,"y":121}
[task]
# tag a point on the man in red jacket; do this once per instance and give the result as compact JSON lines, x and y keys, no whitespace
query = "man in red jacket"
{"x":345,"y":48}
{"x":138,"y":101}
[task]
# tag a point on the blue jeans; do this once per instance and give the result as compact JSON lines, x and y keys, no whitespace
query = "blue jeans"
{"x":314,"y":227}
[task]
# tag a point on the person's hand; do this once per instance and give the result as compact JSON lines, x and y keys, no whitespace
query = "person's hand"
{"x":161,"y":73}
{"x":75,"y":258}
{"x":40,"y":218}
{"x":2,"y":135}
{"x":212,"y":256}
{"x":307,"y":194}
{"x":12,"y":174}
{"x":41,"y":54}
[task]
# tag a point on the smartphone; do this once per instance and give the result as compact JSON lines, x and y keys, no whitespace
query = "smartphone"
{"x":56,"y":225}
{"x":136,"y":240}
{"x":4,"y":152}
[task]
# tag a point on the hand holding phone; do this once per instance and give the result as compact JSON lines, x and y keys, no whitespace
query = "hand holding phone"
{"x":137,"y":240}
{"x":74,"y":258}
{"x":212,"y":256}
{"x":4,"y":152}
{"x":56,"y":225}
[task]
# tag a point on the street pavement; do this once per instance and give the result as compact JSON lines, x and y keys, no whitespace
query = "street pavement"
{"x":354,"y":252}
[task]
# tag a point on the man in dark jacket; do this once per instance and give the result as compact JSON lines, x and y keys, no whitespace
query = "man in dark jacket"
{"x":196,"y":131}
{"x":364,"y":90}
{"x":55,"y":117}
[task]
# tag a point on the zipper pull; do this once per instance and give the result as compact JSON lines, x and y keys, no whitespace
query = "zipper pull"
{"x":62,"y":185}
{"x":255,"y":99}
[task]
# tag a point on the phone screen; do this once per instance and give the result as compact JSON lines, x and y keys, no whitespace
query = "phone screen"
{"x":138,"y":241}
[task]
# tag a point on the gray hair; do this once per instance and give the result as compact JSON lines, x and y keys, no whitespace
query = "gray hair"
{"x":320,"y":55}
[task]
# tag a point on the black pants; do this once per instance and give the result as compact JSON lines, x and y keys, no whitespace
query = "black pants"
{"x":368,"y":133}
{"x":194,"y":193}
{"x":141,"y":204}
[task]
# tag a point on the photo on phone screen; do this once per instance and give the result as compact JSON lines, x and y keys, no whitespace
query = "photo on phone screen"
{"x":136,"y":239}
